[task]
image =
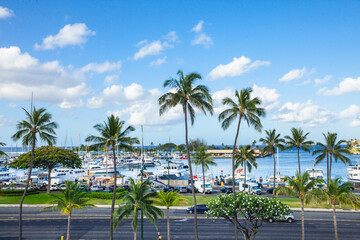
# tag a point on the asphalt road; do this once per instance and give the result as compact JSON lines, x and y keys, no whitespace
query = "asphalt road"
{"x":94,"y":224}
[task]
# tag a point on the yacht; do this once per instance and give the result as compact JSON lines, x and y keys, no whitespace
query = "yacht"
{"x":315,"y":173}
{"x":174,"y":172}
{"x":353,"y":173}
{"x":5,"y":174}
{"x":66,"y":174}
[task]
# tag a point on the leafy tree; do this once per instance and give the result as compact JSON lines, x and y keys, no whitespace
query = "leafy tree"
{"x":73,"y":197}
{"x":329,"y":149}
{"x":337,"y":192}
{"x":166,"y":147}
{"x":139,"y":198}
{"x":1,"y":152}
{"x":169,"y":199}
{"x":203,"y":158}
{"x":298,"y":140}
{"x":272,"y":141}
{"x":180,"y":148}
{"x":38,"y":122}
{"x":301,"y":187}
{"x":196,"y":143}
{"x":46,"y":158}
{"x":244,"y":108}
{"x":113,"y":133}
{"x":245,"y":157}
{"x":252,"y":209}
{"x":187,"y":95}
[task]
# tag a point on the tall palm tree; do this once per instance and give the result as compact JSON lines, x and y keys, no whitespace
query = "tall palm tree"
{"x":1,"y":152}
{"x":203,"y":158}
{"x":245,"y":108}
{"x":337,"y":192}
{"x":112,"y":133}
{"x":139,"y":198}
{"x":73,"y":197}
{"x":302,"y":187}
{"x":37,"y":122}
{"x":169,"y":199}
{"x":272,"y":142}
{"x":329,"y":149}
{"x":183,"y":92}
{"x":298,"y":140}
{"x":245,"y":157}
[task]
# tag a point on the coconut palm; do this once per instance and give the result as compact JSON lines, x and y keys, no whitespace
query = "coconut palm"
{"x":139,"y":198}
{"x":169,"y":199}
{"x":203,"y":158}
{"x":337,"y":192}
{"x":245,"y":108}
{"x":1,"y":152}
{"x":113,"y":133}
{"x":302,"y":187}
{"x":73,"y":197}
{"x":329,"y":149}
{"x":298,"y":140}
{"x":272,"y":142}
{"x":183,"y":92}
{"x":38,"y":122}
{"x":245,"y":157}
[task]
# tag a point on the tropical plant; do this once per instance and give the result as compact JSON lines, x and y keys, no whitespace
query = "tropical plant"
{"x":46,"y":158}
{"x":169,"y":199}
{"x":73,"y":197}
{"x":303,"y":188}
{"x":1,"y":152}
{"x":329,"y":149}
{"x":252,"y":209}
{"x":38,"y":122}
{"x":203,"y":158}
{"x":245,"y":157}
{"x":183,"y":92}
{"x":272,"y":143}
{"x":298,"y":140}
{"x":113,"y":133}
{"x":196,"y":143}
{"x":245,"y":108}
{"x":139,"y":198}
{"x":337,"y":192}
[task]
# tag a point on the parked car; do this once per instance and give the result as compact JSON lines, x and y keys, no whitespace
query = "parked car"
{"x":226,"y":190}
{"x":62,"y":186}
{"x":84,"y":187}
{"x":169,"y":189}
{"x":270,"y":190}
{"x":54,"y":187}
{"x":95,"y":188}
{"x":181,"y":189}
{"x":35,"y":187}
{"x":189,"y":189}
{"x":108,"y":190}
{"x":200,"y":208}
{"x":126,"y":187}
{"x":286,"y":218}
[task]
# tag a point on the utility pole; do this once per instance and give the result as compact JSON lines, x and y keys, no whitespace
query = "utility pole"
{"x":141,"y":181}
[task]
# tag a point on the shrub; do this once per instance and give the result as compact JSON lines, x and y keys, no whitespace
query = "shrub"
{"x":101,"y":195}
{"x":17,"y":192}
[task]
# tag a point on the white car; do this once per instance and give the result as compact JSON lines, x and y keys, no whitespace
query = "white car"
{"x":54,"y":187}
{"x":286,"y":218}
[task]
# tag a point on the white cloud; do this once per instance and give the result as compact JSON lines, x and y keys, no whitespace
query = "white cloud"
{"x":308,"y":114}
{"x":198,"y":27}
{"x":352,"y":111}
{"x":269,"y":97}
{"x":4,"y":121}
{"x":5,"y":12}
{"x":235,"y":68}
{"x":320,"y":81}
{"x":171,"y":36}
{"x":345,"y":86}
{"x":70,"y":34}
{"x":111,"y":79}
{"x":218,"y":96}
{"x":355,"y":123}
{"x":202,"y":39}
{"x":102,"y":67}
{"x":293,"y":74}
{"x":150,"y":49}
{"x":158,"y":61}
{"x":12,"y":105}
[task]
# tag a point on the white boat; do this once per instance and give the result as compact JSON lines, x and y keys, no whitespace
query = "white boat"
{"x":353,"y":173}
{"x":149,"y":162}
{"x":132,"y":162}
{"x":6,"y":175}
{"x":174,"y":171}
{"x":278,"y":179}
{"x":315,"y":173}
{"x":66,"y":174}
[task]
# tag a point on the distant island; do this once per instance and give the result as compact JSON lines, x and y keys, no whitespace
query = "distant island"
{"x":354,"y":146}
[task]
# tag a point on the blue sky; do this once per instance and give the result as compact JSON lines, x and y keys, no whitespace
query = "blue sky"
{"x":87,"y":59}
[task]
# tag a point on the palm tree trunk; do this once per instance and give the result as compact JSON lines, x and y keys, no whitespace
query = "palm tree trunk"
{"x":27,"y":186}
{"x":274,"y":174}
{"x":168,"y":222}
{"x":335,"y":224}
{"x":68,"y":228}
{"x":135,"y":234}
{"x":191,"y":173}
{"x":233,"y":174}
{"x":203,"y":172}
{"x":49,"y":180}
{"x":245,"y":174}
{"x":113,"y":198}
{"x":299,"y":160}
{"x":302,"y":220}
{"x":328,"y":168}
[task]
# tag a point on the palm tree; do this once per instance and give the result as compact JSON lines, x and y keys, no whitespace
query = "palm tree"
{"x":337,"y":192}
{"x":73,"y":198}
{"x":245,"y":157}
{"x":169,"y":199}
{"x":184,"y":93}
{"x":298,"y":140}
{"x":139,"y":198}
{"x":203,"y":158}
{"x":302,"y":187}
{"x":329,"y":149}
{"x":113,"y":133}
{"x":38,"y":122}
{"x":246,"y":108}
{"x":272,"y":142}
{"x":1,"y":152}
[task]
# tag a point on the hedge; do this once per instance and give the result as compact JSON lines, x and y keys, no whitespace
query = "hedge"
{"x":17,"y":192}
{"x":101,"y":195}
